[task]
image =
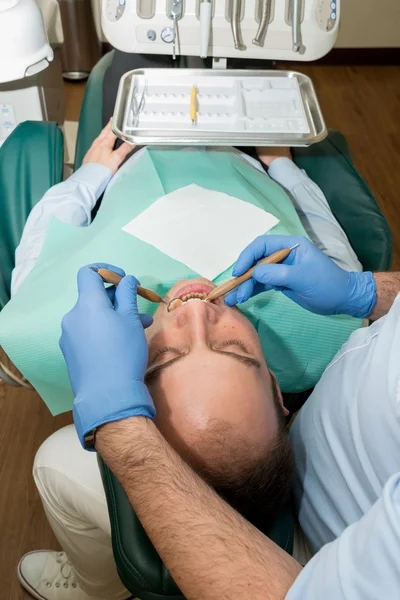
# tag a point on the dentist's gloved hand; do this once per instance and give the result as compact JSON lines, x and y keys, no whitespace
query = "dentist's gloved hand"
{"x":307,"y":276}
{"x":106,"y":352}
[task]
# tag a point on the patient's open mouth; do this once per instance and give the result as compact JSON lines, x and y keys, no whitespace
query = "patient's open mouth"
{"x":192,"y":291}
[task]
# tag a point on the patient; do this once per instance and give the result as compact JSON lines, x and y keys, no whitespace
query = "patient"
{"x":203,"y":357}
{"x":218,"y":403}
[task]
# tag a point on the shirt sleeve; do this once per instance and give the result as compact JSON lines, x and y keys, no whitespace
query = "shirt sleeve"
{"x":71,"y":201}
{"x":362,"y":564}
{"x":315,"y":213}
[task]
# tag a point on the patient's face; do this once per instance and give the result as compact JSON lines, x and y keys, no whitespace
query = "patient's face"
{"x":206,"y":366}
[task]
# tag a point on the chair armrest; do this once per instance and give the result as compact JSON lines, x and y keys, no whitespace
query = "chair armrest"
{"x":31,"y":162}
{"x":330,"y":166}
{"x":91,"y":117}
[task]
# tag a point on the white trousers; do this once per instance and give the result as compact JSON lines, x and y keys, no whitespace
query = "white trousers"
{"x":69,"y":483}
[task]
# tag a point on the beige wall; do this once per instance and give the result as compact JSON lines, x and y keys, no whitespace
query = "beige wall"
{"x":370,"y":24}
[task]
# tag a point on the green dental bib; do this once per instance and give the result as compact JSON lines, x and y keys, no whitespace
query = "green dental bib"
{"x":297,"y":344}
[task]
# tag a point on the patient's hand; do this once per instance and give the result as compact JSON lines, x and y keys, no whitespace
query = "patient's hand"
{"x":267,"y":155}
{"x":102,"y":150}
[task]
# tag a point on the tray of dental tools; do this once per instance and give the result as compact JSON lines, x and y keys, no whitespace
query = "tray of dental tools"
{"x":217,"y":108}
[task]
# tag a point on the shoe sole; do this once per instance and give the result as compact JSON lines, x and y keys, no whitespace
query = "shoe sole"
{"x":25,"y":584}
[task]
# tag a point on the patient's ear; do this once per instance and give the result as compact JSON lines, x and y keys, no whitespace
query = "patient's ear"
{"x":278,"y":393}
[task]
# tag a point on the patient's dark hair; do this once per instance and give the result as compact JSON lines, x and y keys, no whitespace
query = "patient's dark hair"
{"x":257,"y":484}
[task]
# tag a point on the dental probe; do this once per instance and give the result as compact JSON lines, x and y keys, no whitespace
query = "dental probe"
{"x":224,"y":288}
{"x":112,"y":277}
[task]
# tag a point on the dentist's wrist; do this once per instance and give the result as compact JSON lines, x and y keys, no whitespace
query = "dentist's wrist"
{"x":362,"y":294}
{"x":94,"y":408}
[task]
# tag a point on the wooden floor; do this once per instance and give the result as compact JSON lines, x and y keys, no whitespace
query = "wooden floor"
{"x":364,"y":103}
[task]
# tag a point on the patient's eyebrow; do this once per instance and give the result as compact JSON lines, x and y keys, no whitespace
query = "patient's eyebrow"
{"x":154,"y":372}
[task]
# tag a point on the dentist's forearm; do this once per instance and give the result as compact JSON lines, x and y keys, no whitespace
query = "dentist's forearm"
{"x":387,"y":288}
{"x":209,"y":549}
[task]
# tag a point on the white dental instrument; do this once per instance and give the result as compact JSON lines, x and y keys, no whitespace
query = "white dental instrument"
{"x":205,"y":26}
{"x":264,"y":20}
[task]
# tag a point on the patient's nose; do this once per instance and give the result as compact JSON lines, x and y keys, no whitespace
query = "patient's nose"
{"x":196,"y":315}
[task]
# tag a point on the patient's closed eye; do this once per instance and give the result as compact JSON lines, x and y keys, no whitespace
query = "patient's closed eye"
{"x":175,"y":354}
{"x":237,"y":343}
{"x":166,"y":350}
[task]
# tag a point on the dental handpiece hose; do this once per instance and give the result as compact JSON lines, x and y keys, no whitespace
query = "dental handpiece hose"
{"x":205,"y":26}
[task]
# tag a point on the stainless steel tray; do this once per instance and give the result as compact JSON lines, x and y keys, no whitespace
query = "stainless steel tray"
{"x":235,"y":108}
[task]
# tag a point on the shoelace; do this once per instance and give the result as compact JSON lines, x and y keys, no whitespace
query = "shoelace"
{"x":65,"y":572}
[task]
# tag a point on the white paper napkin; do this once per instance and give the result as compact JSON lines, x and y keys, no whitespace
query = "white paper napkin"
{"x":203,"y":229}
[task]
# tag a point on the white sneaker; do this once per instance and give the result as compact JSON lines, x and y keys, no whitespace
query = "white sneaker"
{"x":47,"y":575}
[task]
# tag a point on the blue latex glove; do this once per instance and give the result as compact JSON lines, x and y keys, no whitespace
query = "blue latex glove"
{"x":307,"y":276}
{"x":106,"y":352}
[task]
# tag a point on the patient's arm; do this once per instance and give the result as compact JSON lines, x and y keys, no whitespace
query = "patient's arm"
{"x":210,"y":550}
{"x":311,"y":206}
{"x":71,"y":201}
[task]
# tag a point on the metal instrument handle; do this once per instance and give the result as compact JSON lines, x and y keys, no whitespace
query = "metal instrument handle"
{"x":176,"y":10}
{"x":236,"y":9}
{"x":264,"y":22}
{"x":296,"y":25}
{"x":174,"y":40}
{"x":175,"y":13}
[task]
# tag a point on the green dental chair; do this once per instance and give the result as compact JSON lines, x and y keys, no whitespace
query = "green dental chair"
{"x":31,"y":161}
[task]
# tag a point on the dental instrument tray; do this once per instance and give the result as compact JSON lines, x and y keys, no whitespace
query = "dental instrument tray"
{"x":234,"y":108}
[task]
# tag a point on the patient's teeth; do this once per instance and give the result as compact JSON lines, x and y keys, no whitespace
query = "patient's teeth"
{"x":187,"y":298}
{"x":174,"y":304}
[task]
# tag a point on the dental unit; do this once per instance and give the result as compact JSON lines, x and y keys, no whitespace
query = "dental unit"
{"x":295,"y":30}
{"x":233,"y":107}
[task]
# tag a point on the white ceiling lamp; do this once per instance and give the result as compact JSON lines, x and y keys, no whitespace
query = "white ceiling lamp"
{"x":24,"y":46}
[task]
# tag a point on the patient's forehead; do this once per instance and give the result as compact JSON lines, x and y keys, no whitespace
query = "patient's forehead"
{"x":191,"y":398}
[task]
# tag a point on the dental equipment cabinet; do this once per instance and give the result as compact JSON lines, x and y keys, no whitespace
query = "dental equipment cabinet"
{"x":300,"y":30}
{"x":244,"y":108}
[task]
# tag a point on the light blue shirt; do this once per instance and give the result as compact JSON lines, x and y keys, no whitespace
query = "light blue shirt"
{"x":73,"y":200}
{"x":346,"y":441}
